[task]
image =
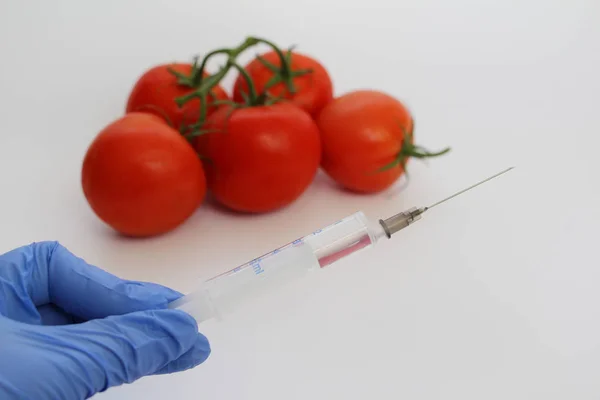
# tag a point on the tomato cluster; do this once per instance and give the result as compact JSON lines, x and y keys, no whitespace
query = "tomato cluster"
{"x":256,"y":150}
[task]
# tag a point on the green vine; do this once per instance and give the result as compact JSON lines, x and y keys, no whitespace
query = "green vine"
{"x":206,"y":84}
{"x":203,"y":85}
{"x":253,"y":98}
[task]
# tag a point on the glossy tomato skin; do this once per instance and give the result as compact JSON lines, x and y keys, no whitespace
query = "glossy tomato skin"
{"x":263,"y":159}
{"x":313,"y":90}
{"x":141,"y":177}
{"x":156,"y":90}
{"x":362,"y":132}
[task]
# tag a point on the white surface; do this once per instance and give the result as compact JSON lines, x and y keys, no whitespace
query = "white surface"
{"x":493,"y":296}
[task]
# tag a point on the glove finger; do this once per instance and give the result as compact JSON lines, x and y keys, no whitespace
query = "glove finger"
{"x":50,"y":273}
{"x":122,"y":349}
{"x":89,"y":292}
{"x":16,"y":267}
{"x":192,"y":358}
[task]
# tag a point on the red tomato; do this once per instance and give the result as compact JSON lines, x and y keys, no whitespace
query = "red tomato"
{"x":313,"y":90}
{"x":141,"y":177}
{"x":363,"y":135}
{"x":156,"y":90}
{"x":262,"y":158}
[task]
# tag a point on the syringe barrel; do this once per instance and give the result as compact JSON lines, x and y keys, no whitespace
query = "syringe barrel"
{"x":343,"y":238}
{"x":319,"y":249}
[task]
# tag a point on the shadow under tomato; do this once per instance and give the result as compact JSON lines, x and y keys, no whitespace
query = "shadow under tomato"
{"x":216,"y":205}
{"x":323,"y":180}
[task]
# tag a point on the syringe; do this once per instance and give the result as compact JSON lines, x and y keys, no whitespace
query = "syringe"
{"x":224,"y":292}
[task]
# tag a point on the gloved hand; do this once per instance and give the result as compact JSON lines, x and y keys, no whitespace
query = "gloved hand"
{"x":69,"y":330}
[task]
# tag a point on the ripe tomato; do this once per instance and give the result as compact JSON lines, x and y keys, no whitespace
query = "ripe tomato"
{"x":156,"y":90}
{"x":261,"y":158}
{"x":313,"y":90}
{"x":367,"y":138}
{"x":141,"y":177}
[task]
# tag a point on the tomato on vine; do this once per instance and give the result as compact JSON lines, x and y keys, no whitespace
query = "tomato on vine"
{"x":157,"y":89}
{"x":183,"y":94}
{"x":296,"y":77}
{"x":141,"y":177}
{"x":367,"y":138}
{"x":261,"y":156}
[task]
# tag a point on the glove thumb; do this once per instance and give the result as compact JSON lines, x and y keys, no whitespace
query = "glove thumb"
{"x":121,"y":349}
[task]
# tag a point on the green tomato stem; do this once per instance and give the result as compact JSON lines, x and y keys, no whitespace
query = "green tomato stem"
{"x":205,"y":85}
{"x":284,"y":73}
{"x":253,"y":98}
{"x":285,"y":68}
{"x":411,"y":150}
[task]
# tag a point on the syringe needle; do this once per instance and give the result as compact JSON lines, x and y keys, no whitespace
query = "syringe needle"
{"x":467,"y":189}
{"x":403,"y":219}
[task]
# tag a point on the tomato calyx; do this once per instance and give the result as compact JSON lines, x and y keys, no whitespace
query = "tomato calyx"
{"x":409,"y":149}
{"x":193,"y":80}
{"x":253,"y":98}
{"x":284,"y":73}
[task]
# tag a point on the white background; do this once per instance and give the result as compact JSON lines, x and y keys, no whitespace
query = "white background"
{"x":493,"y":296}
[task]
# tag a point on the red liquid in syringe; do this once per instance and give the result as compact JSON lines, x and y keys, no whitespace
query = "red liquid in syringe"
{"x":365,"y":241}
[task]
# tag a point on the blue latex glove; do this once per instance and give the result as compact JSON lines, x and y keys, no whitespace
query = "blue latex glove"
{"x":69,"y":330}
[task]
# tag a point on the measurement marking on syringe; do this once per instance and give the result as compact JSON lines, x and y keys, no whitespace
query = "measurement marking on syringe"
{"x":257,"y":269}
